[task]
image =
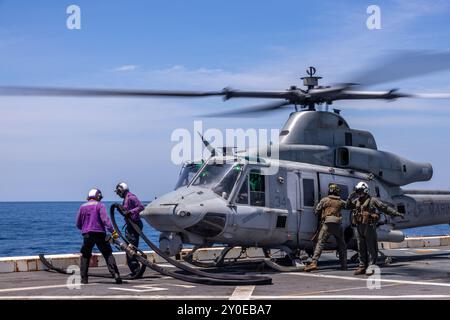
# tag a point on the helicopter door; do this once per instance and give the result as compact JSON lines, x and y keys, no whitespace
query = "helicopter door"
{"x":308,"y":201}
{"x":346,"y":185}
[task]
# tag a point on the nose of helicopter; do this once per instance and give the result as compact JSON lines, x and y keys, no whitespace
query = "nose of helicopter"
{"x":178,"y":210}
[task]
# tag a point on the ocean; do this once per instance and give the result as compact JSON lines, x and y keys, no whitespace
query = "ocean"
{"x":30,"y":228}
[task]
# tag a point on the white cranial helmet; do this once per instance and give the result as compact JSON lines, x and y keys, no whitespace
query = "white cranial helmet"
{"x":362,"y":187}
{"x":123,"y":186}
{"x":121,"y":189}
{"x":95,"y":194}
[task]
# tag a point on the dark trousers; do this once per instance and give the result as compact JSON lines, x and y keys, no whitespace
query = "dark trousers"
{"x":98,"y":239}
{"x":133,"y":238}
{"x":366,"y":236}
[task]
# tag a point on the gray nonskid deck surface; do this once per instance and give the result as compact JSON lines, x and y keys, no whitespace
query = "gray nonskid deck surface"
{"x":413,"y":274}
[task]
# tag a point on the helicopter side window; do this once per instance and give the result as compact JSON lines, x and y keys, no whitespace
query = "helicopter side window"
{"x":344,"y":191}
{"x":309,"y":194}
{"x":257,"y":189}
{"x":254,"y":185}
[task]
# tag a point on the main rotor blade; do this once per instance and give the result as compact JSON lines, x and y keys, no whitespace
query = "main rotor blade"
{"x":372,"y":95}
{"x":250,"y":111}
{"x":404,"y":65}
{"x":431,"y":95}
{"x":47,"y":91}
{"x":84,"y":92}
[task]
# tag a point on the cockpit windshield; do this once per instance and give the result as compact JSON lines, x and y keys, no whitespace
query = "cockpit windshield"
{"x":188,"y":172}
{"x":219,"y":177}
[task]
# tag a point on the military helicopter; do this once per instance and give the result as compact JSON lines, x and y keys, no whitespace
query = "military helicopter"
{"x":230,"y":199}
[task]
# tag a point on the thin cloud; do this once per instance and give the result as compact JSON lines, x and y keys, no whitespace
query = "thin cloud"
{"x":126,"y":68}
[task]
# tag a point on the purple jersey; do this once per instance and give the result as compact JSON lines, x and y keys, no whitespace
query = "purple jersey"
{"x":92,"y":218}
{"x":132,"y":204}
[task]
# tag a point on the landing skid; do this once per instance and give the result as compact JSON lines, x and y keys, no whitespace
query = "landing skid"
{"x":386,"y":259}
{"x":267,"y":261}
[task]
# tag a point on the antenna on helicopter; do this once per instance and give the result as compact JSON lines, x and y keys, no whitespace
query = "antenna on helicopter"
{"x":311,"y":81}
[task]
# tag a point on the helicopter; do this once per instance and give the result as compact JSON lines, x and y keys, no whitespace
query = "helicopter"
{"x":235,"y":200}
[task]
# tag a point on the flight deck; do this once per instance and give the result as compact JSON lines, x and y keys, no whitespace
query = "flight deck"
{"x":414,"y":273}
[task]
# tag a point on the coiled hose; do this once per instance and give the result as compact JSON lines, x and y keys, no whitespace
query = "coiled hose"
{"x":195,"y":275}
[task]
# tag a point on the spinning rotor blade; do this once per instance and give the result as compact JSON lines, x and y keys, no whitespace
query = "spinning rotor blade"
{"x":81,"y":92}
{"x":404,"y":65}
{"x":47,"y":91}
{"x":377,"y":95}
{"x":431,"y":95}
{"x":250,"y":111}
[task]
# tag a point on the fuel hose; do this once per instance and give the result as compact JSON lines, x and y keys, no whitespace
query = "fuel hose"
{"x":193,"y":275}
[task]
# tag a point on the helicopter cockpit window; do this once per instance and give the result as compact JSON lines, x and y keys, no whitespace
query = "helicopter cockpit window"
{"x":254,"y":186}
{"x":188,"y":172}
{"x":219,"y":177}
{"x":242,"y":197}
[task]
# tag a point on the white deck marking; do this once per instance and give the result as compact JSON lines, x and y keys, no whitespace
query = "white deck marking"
{"x":40,"y":287}
{"x":180,"y":285}
{"x":140,"y":288}
{"x":242,"y":293}
{"x":344,"y":289}
{"x":421,"y":283}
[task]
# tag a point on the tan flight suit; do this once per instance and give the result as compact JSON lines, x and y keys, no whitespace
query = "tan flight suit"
{"x":366,"y":216}
{"x":330,"y":210}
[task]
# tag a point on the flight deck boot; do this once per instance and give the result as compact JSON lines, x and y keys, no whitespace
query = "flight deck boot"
{"x":360,"y":270}
{"x":112,"y":267}
{"x":312,"y":266}
{"x":84,"y":268}
{"x":343,"y":260}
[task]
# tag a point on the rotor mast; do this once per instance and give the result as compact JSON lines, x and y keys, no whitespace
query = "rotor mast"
{"x":311,"y":82}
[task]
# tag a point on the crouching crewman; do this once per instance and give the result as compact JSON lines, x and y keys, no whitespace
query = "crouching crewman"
{"x":330,"y":209}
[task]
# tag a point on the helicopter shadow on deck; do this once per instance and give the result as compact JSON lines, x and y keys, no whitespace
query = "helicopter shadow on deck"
{"x":333,"y":264}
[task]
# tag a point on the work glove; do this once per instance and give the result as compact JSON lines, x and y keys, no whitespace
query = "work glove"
{"x":352,"y":195}
{"x":114,"y":235}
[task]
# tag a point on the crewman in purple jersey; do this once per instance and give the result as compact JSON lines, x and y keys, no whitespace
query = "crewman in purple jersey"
{"x":93,"y":223}
{"x":133,"y":208}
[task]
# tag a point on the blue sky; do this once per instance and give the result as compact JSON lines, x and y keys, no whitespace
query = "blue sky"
{"x":56,"y":149}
